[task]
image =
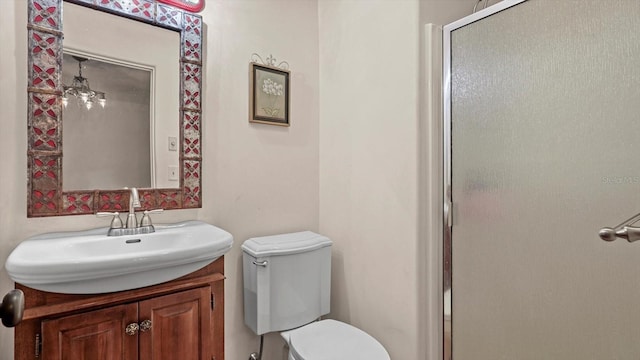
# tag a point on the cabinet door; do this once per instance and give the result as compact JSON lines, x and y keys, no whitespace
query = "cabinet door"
{"x":180,"y":326}
{"x":94,"y":335}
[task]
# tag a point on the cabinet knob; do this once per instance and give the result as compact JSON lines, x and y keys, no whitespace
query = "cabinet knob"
{"x":132,"y":329}
{"x":145,"y":325}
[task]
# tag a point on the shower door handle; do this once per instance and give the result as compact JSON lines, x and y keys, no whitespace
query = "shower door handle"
{"x":623,"y":230}
{"x":630,"y":233}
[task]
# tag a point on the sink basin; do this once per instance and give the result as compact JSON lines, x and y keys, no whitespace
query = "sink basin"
{"x":90,"y":262}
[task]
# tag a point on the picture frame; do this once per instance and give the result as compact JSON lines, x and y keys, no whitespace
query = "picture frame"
{"x":269,"y":97}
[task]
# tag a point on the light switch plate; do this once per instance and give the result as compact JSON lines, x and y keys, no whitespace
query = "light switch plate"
{"x":173,"y":143}
{"x":173,"y":173}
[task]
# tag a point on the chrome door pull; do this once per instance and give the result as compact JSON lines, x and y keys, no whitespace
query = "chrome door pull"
{"x":262,"y":263}
{"x":624,"y":230}
{"x":631,"y":233}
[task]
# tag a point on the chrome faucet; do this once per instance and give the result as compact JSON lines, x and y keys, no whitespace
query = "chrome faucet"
{"x":134,"y":202}
{"x":131,"y":227}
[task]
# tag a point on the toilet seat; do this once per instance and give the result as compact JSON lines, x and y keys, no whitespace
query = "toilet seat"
{"x":334,"y":340}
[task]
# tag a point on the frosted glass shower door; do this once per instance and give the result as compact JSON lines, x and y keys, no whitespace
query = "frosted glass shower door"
{"x":545,"y":150}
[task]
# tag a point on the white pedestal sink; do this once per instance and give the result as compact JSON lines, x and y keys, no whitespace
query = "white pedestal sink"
{"x":90,"y":262}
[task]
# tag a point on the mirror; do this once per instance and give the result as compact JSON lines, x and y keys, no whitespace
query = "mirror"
{"x":125,"y":71}
{"x":173,"y":81}
{"x":90,"y":128}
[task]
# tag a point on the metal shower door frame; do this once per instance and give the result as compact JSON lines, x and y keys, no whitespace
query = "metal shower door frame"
{"x":448,"y":204}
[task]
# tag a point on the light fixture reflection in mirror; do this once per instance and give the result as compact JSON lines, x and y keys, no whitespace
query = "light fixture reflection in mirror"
{"x":91,"y":160}
{"x":80,"y":89}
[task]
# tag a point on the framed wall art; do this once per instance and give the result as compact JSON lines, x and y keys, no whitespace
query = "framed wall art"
{"x":269,"y":98}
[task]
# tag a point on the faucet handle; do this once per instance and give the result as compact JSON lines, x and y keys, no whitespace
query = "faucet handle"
{"x":116,"y":222}
{"x":146,"y":219}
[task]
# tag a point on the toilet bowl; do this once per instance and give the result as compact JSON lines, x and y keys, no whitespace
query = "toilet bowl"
{"x":332,"y":340}
{"x":287,"y":282}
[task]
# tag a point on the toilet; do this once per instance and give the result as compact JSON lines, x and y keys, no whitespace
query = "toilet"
{"x":287,"y":282}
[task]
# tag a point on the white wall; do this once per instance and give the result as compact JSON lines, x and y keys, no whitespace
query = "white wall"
{"x":443,"y":12}
{"x":257,"y":179}
{"x":379,"y":168}
{"x":368,"y":165}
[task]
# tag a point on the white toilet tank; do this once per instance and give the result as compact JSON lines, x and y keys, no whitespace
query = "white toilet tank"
{"x":287,"y":280}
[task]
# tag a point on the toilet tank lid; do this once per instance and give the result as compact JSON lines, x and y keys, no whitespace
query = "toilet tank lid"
{"x":285,"y":244}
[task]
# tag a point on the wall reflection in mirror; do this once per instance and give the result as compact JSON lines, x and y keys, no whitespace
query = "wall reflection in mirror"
{"x":124,"y":144}
{"x":91,"y":128}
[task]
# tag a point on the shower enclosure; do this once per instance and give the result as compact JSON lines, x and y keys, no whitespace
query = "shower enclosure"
{"x":542,"y":136}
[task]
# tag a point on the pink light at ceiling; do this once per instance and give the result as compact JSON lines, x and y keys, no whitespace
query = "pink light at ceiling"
{"x":188,"y":5}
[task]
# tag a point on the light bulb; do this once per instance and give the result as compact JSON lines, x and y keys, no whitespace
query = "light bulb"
{"x":102,"y":100}
{"x":89,"y":104}
{"x":65,"y":101}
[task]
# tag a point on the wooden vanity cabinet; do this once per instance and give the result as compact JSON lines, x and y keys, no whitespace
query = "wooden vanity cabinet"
{"x":180,"y":319}
{"x":174,"y":326}
{"x":98,"y":334}
{"x":180,"y":327}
